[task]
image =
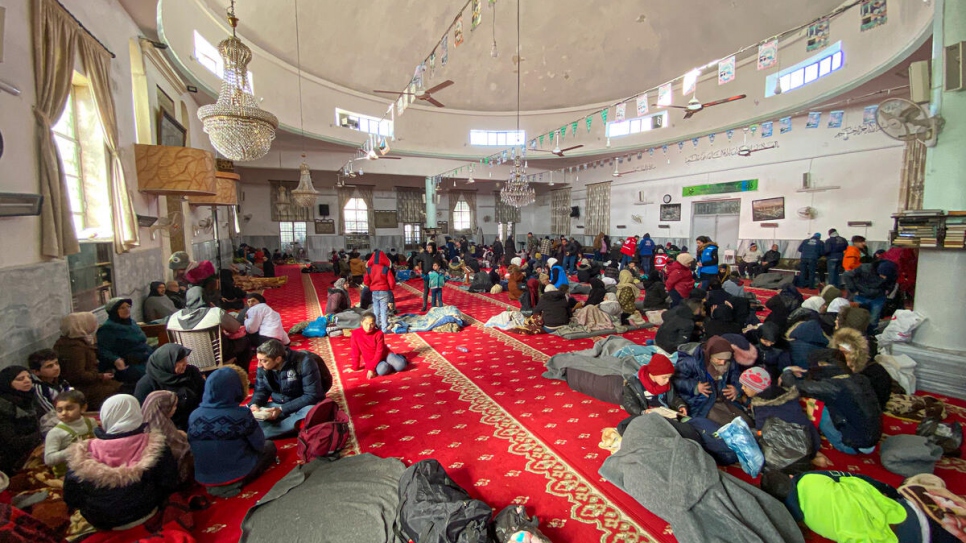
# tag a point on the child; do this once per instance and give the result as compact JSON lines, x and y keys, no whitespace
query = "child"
{"x":73,"y":426}
{"x":369,"y":350}
{"x":45,"y":374}
{"x":766,"y":401}
{"x":436,"y":281}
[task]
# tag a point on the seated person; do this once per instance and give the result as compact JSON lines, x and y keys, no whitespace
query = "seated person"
{"x":232,"y":297}
{"x":119,"y":479}
{"x":679,"y":326}
{"x":158,"y":410}
{"x":745,"y":354}
{"x":19,"y":424}
{"x":597,"y":292}
{"x":627,"y":295}
{"x":855,"y":348}
{"x":554,"y":306}
{"x":851,"y":419}
{"x":750,"y":257}
{"x":770,"y":260}
{"x":587,"y":270}
{"x":287,"y":386}
{"x":707,"y":376}
{"x":732,"y":285}
{"x":157,"y":307}
{"x":263,"y":323}
{"x":175,"y":293}
{"x":655,"y":296}
{"x":558,"y":276}
{"x":338,"y":298}
{"x":45,"y":374}
{"x":516,"y":283}
{"x":680,"y":279}
{"x":651,"y":388}
{"x":122,"y":346}
{"x":721,"y":321}
{"x":168,"y":369}
{"x":199,"y":315}
{"x":481,"y":281}
{"x":76,"y":350}
{"x":805,"y":337}
{"x":610,"y":305}
{"x":773,"y":349}
{"x":767,"y":400}
{"x":228,"y":445}
{"x":72,"y":427}
{"x":369,"y":350}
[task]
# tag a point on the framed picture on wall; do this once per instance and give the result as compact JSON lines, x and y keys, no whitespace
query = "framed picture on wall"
{"x":170,"y":131}
{"x":443,"y":227}
{"x":670,"y":212}
{"x":386,"y":219}
{"x":770,"y":209}
{"x":324,"y":226}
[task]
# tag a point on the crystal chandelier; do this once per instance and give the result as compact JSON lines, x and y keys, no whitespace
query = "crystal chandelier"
{"x":305,"y":194}
{"x":517,"y":192}
{"x":237,"y":127}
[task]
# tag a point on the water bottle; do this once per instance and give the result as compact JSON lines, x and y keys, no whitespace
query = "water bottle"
{"x":462,"y":349}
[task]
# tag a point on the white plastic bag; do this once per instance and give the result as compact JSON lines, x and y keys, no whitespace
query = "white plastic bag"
{"x":901,"y":368}
{"x":901,"y":327}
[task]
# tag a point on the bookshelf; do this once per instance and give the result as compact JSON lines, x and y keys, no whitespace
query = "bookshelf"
{"x":930,"y":229}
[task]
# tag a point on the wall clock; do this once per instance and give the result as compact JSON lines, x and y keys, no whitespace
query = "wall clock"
{"x":667,"y":198}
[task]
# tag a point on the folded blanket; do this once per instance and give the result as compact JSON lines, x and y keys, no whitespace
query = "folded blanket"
{"x":593,"y":318}
{"x":436,"y":316}
{"x":506,"y":320}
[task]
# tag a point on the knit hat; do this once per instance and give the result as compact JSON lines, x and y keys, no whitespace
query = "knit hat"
{"x":549,"y":288}
{"x":551,"y":262}
{"x":659,"y":365}
{"x":830,"y":293}
{"x":717,"y":345}
{"x":516,"y":261}
{"x":179,"y":261}
{"x":685,"y":259}
{"x":833,"y":232}
{"x":199,"y":273}
{"x":837,"y":304}
{"x":856,"y":318}
{"x":756,"y":379}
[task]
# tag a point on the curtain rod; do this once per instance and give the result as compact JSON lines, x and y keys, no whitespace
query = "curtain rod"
{"x":84,"y":28}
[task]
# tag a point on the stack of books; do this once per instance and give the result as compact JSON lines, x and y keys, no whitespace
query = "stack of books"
{"x":955,"y":230}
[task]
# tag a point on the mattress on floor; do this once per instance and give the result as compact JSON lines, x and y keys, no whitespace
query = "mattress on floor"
{"x":606,"y":388}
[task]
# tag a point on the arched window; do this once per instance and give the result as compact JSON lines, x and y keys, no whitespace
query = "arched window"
{"x":356,"y":216}
{"x":461,"y":215}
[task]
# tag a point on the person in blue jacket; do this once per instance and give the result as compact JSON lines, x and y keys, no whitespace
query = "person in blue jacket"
{"x":645,"y":249}
{"x":706,"y":375}
{"x":811,"y":249}
{"x":558,"y":277}
{"x":835,"y":247}
{"x":707,"y":261}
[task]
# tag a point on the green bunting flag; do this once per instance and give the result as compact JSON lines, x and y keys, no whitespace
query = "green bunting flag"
{"x":563,"y":131}
{"x":603,"y":116}
{"x":541,"y":140}
{"x":590,"y":121}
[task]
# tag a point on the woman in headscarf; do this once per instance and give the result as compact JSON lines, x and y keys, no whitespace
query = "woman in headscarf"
{"x":627,"y":295}
{"x":199,"y":315}
{"x":779,"y":312}
{"x":119,"y":479}
{"x":597,"y":292}
{"x":168,"y":369}
{"x":19,"y":422}
{"x":157,"y":306}
{"x":158,"y":409}
{"x":232,"y":297}
{"x":76,"y":350}
{"x":121,"y":344}
{"x":338,"y":298}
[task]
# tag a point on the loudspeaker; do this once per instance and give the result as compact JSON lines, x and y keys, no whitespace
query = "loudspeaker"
{"x":953,"y":64}
{"x":575,"y":212}
{"x":323,"y":210}
{"x":919,"y":81}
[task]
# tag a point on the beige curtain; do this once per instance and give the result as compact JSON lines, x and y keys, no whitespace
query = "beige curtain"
{"x":470,"y":199}
{"x":365,"y":192}
{"x":504,"y":212}
{"x":913,"y":176}
{"x":97,"y":65}
{"x":409,"y":204}
{"x":598,"y":208}
{"x":54,"y":33}
{"x":560,"y":212}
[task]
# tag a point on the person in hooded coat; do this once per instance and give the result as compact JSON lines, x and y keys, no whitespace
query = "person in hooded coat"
{"x":679,"y":325}
{"x":597,"y":292}
{"x":122,"y":477}
{"x":805,"y":337}
{"x":381,"y":280}
{"x":157,"y":306}
{"x":680,"y":280}
{"x":707,"y":375}
{"x":198,"y":315}
{"x":516,"y":284}
{"x":122,"y":346}
{"x":555,"y":308}
{"x":168,"y":369}
{"x":19,"y":419}
{"x":232,"y":297}
{"x":587,"y":270}
{"x":773,"y":349}
{"x":158,"y":409}
{"x":721,"y":321}
{"x":778,"y":313}
{"x":338,"y":298}
{"x":655,"y":297}
{"x":76,"y":350}
{"x":855,"y":348}
{"x":228,"y":445}
{"x":627,"y":294}
{"x":871,"y":284}
{"x":558,"y":276}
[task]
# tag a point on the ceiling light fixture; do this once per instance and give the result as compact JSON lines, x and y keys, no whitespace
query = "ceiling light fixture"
{"x":493,"y":51}
{"x":517,"y":191}
{"x":236,"y":126}
{"x":305,"y":194}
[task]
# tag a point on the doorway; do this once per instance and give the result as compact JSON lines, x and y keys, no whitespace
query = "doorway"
{"x":719,"y":220}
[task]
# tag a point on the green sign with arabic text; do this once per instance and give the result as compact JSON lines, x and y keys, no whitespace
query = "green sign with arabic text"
{"x":748,"y":185}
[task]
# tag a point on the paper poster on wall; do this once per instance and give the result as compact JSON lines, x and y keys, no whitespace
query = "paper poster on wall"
{"x":664,"y":97}
{"x":817,"y":36}
{"x":874,"y":13}
{"x":768,"y":54}
{"x":642,"y":105}
{"x":868,"y":114}
{"x":814,"y":119}
{"x":772,"y":209}
{"x":835,"y":119}
{"x":785,"y":124}
{"x":690,"y":82}
{"x":726,"y":70}
{"x":444,"y":51}
{"x":620,"y":112}
{"x":767,"y":129}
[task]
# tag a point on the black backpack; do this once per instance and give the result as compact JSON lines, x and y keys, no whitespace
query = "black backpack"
{"x":434,"y":509}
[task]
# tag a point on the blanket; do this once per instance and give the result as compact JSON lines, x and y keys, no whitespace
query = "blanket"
{"x":349,"y":319}
{"x":773,"y":280}
{"x":350,"y":499}
{"x":599,"y":360}
{"x":676,"y":480}
{"x":437,"y":316}
{"x":593,"y":318}
{"x":506,"y":320}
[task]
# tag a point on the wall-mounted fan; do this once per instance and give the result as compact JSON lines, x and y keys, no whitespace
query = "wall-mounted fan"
{"x":903,"y":120}
{"x":807,"y":212}
{"x":172,"y":224}
{"x":204,"y":226}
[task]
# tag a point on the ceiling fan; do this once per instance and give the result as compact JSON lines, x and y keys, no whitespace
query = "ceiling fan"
{"x":370,"y":151}
{"x":745,"y":150}
{"x":618,"y":173}
{"x":695,"y":105}
{"x":422,"y":94}
{"x":556,"y":149}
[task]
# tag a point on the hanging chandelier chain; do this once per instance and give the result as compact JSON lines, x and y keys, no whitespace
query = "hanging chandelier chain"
{"x":298,"y":61}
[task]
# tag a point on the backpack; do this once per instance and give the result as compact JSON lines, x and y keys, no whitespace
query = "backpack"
{"x":324,"y":432}
{"x":434,"y":509}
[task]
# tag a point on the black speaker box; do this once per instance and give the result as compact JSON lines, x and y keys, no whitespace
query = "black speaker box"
{"x":575,"y":212}
{"x":323,"y":210}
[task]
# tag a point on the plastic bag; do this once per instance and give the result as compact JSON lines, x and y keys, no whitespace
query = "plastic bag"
{"x":786,"y":445}
{"x":403,"y":275}
{"x":316,"y":328}
{"x":512,"y":525}
{"x":739,"y":438}
{"x":901,"y":327}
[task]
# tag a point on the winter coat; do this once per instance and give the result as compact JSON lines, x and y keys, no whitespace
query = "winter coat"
{"x":294,"y":385}
{"x":225,"y":438}
{"x":677,"y":328}
{"x":116,"y":340}
{"x":811,"y":248}
{"x":131,"y":475}
{"x":516,"y":284}
{"x":371,"y":349}
{"x":481,"y":282}
{"x":881,"y":382}
{"x":835,"y":247}
{"x":437,"y":279}
{"x":679,"y":278}
{"x":337,"y":301}
{"x":805,"y":337}
{"x":379,"y":275}
{"x":357,"y":267}
{"x":852,"y":258}
{"x":558,"y":277}
{"x":19,"y":433}
{"x":630,"y":246}
{"x":555,"y":309}
{"x":771,"y":258}
{"x":655,"y":297}
{"x":426,"y":260}
{"x":708,"y":260}
{"x":691,"y":370}
{"x":78,"y":365}
{"x":783,"y":404}
{"x":584,"y":275}
{"x":646,"y":246}
{"x":866,"y":280}
{"x":850,"y":400}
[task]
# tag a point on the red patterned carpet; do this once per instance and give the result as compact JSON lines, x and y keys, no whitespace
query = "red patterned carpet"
{"x":503,"y":432}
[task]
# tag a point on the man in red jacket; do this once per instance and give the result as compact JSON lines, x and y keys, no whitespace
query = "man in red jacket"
{"x":628,"y":250}
{"x":381,"y":280}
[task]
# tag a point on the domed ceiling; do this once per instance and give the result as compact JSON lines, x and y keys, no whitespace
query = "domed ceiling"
{"x":575,"y":52}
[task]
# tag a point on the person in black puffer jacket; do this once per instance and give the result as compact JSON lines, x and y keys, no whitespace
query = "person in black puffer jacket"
{"x":655,"y":296}
{"x":679,"y":326}
{"x":587,"y":270}
{"x":555,"y":308}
